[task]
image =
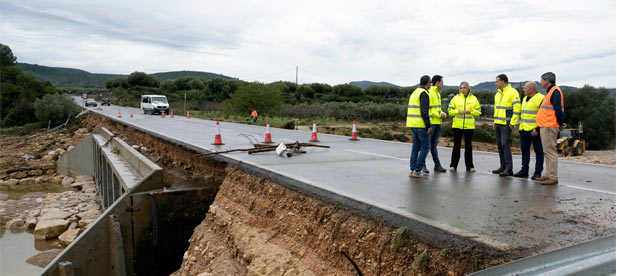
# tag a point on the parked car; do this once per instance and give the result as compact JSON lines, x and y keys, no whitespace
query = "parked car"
{"x":105,"y":101}
{"x":91,"y":102}
{"x":151,"y":104}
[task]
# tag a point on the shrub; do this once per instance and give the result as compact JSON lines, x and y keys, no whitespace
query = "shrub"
{"x":55,"y":108}
{"x":266,"y":99}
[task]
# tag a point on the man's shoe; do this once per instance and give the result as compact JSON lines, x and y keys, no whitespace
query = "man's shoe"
{"x":550,"y":182}
{"x":411,"y":174}
{"x":506,"y":173}
{"x":452,"y":169}
{"x":471,"y":170}
{"x":498,"y":171}
{"x":425,"y":170}
{"x":542,"y":178}
{"x":521,"y":174}
{"x":419,"y":174}
{"x":536,"y":176}
{"x":438,"y":168}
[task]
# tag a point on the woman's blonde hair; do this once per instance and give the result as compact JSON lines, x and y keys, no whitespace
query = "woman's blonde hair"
{"x":466,"y":84}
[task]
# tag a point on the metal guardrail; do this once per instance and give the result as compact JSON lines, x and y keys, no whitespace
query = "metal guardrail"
{"x":591,"y":258}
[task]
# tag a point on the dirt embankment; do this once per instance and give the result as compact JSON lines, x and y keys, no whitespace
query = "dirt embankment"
{"x":258,"y":227}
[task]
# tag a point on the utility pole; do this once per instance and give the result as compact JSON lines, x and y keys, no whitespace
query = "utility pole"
{"x":296,"y":76}
{"x":184,"y":103}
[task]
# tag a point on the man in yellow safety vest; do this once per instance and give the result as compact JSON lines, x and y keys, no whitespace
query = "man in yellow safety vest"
{"x":436,"y":116}
{"x":507,"y":112}
{"x":420,"y":124}
{"x":530,"y":132}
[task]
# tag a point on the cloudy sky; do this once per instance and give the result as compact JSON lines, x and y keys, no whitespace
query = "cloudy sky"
{"x":330,"y":41}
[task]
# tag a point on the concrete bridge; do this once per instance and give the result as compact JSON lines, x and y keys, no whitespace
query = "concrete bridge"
{"x":370,"y":176}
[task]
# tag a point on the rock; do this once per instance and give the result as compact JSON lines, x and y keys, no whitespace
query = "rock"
{"x":44,"y":258}
{"x":90,"y":214}
{"x":204,"y":274}
{"x":55,"y":214}
{"x":4,"y":176}
{"x":85,"y":222}
{"x":19,"y":175}
{"x":69,"y":235}
{"x":73,"y":225}
{"x":143,"y":149}
{"x":35,"y":172}
{"x":70,"y":148}
{"x":4,"y":196}
{"x":50,"y":229}
{"x":84,"y":178}
{"x":57,"y":179}
{"x":15,"y":223}
{"x":50,"y":171}
{"x":31,"y":223}
{"x":48,"y":167}
{"x":370,"y":236}
{"x":67,"y":181}
{"x":136,"y":147}
{"x":26,"y":181}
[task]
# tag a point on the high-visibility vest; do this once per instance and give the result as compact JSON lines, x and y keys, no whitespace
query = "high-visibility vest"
{"x":507,"y":106}
{"x":546,"y":114}
{"x":434,"y":111}
{"x":254,"y":113}
{"x":529,"y":110}
{"x":460,"y":102}
{"x":414,"y":119}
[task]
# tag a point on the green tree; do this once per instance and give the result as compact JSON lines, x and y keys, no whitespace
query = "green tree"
{"x":55,"y":108}
{"x":266,"y":99}
{"x":596,"y":109}
{"x":6,"y":56}
{"x":142,"y":79}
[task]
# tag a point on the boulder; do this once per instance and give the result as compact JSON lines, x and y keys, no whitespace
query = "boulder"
{"x":31,"y":223}
{"x":19,"y":175}
{"x":50,"y":229}
{"x":15,"y":223}
{"x":67,"y":181}
{"x":56,"y":179}
{"x":85,"y":222}
{"x":26,"y":181}
{"x":90,"y":214}
{"x":55,"y":214}
{"x":69,"y":235}
{"x":44,"y":258}
{"x":84,"y":178}
{"x":4,"y":176}
{"x":35,"y":172}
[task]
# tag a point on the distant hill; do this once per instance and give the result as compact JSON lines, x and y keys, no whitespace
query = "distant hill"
{"x":366,"y":84}
{"x":69,"y":77}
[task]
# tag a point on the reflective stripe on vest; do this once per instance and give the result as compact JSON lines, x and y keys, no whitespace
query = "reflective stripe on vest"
{"x":546,"y":114}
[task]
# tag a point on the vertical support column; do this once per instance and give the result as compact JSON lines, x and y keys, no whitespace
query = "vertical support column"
{"x":118,"y":267}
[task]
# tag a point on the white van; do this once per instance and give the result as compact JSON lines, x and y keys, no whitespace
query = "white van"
{"x":151,"y":104}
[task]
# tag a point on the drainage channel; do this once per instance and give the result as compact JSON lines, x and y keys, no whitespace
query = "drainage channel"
{"x":146,"y":224}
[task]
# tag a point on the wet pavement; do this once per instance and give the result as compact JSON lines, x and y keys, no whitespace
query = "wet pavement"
{"x":371,"y":176}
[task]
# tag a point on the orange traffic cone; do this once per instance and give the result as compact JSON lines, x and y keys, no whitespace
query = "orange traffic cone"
{"x":131,"y":114}
{"x":172,"y":114}
{"x":314,"y":134}
{"x":354,"y":133}
{"x":268,"y":139}
{"x":162,"y":114}
{"x":187,"y":114}
{"x":217,"y":137}
{"x":119,"y":115}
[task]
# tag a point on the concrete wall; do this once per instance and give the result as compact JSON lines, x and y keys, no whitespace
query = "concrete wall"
{"x":77,"y":161}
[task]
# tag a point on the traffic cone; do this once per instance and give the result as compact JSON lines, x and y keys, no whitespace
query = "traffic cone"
{"x":131,"y":114}
{"x":217,"y":137}
{"x":354,"y":133}
{"x":314,"y":134}
{"x":268,"y":139}
{"x":172,"y":114}
{"x":119,"y":115}
{"x":187,"y":114}
{"x":162,"y":114}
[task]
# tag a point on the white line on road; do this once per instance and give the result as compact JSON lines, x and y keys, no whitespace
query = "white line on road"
{"x":488,"y":173}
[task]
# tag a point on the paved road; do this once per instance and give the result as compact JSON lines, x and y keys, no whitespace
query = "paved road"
{"x":371,"y":175}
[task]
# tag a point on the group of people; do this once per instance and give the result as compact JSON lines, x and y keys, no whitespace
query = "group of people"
{"x":540,"y":118}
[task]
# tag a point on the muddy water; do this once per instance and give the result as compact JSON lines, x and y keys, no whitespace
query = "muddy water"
{"x":16,"y":247}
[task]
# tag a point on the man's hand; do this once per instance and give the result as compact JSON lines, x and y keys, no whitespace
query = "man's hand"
{"x":443,"y":115}
{"x":534,"y":132}
{"x":511,"y":127}
{"x":563,"y":126}
{"x":430,"y":129}
{"x":494,"y":126}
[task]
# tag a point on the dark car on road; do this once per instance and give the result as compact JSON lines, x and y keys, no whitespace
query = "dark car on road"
{"x":91,"y":102}
{"x":105,"y":101}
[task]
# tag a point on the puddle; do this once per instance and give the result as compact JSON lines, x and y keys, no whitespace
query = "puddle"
{"x":16,"y":247}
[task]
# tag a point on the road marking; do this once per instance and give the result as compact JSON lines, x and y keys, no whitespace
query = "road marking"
{"x":487,"y":173}
{"x":374,"y":154}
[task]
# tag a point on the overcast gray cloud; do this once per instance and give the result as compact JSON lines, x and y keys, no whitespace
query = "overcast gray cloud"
{"x":330,"y":41}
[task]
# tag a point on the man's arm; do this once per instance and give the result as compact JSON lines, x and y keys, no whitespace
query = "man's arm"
{"x":424,"y":108}
{"x":556,"y":102}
